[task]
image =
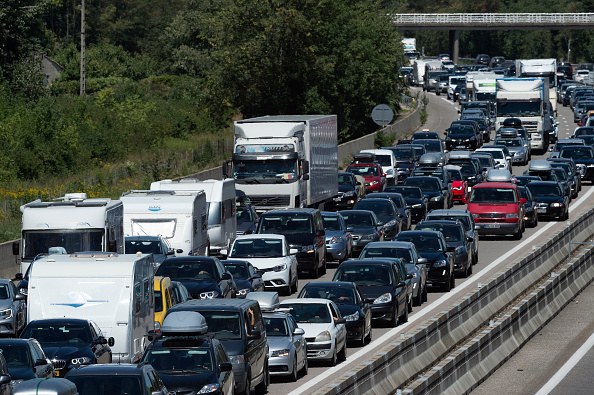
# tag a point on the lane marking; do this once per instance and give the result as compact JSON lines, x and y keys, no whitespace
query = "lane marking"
{"x":455,"y":293}
{"x":567,"y":367}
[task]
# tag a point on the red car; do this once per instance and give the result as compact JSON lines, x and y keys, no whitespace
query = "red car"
{"x":459,"y":184}
{"x":375,"y":178}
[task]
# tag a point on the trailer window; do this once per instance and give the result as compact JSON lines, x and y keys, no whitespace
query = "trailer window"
{"x":40,"y":241}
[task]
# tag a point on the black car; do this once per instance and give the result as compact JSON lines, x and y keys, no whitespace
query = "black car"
{"x":416,"y":202}
{"x":70,"y":342}
{"x":563,"y":179}
{"x":381,"y":284}
{"x":455,"y":237}
{"x":114,"y":379}
{"x":550,"y":198}
{"x":351,"y":305}
{"x":385,"y":211}
{"x":404,"y":213}
{"x":583,"y":156}
{"x":525,"y":180}
{"x":204,"y":277}
{"x":482,"y":59}
{"x":25,"y":359}
{"x":364,"y":226}
{"x":190,"y":362}
{"x":348,"y":191}
{"x":432,"y":246}
{"x":433,"y":190}
{"x":461,"y":137}
{"x":530,"y":216}
{"x":571,"y":176}
{"x":246,"y":277}
{"x":247,"y":219}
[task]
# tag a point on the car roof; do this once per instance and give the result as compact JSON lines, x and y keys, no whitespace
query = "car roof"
{"x":302,"y":210}
{"x":108,"y":369}
{"x":450,"y":211}
{"x":391,"y":244}
{"x":495,"y":185}
{"x":59,"y":320}
{"x":306,"y":301}
{"x":433,"y":233}
{"x":260,"y":236}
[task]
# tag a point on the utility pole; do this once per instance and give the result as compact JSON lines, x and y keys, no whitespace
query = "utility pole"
{"x":568,"y":50}
{"x":82,"y":50}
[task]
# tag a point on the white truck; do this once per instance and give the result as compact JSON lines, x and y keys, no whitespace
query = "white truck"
{"x":528,"y":100}
{"x":455,"y":80}
{"x":179,"y":217}
{"x":481,"y":86}
{"x":409,"y":44}
{"x":285,"y":161}
{"x":115,"y":291}
{"x":220,"y":200}
{"x":418,"y":74}
{"x":540,"y":68}
{"x":72,"y":223}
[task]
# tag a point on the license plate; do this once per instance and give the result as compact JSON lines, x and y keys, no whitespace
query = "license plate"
{"x":541,"y":210}
{"x":57,"y":373}
{"x":337,"y":199}
{"x":491,"y":226}
{"x":460,"y":146}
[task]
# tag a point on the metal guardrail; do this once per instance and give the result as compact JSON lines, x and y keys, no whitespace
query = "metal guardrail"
{"x":495,"y":19}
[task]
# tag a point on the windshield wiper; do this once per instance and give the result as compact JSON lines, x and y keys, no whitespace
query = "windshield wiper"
{"x":251,"y":180}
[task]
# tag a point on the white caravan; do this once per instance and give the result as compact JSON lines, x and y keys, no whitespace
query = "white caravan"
{"x":181,"y":217}
{"x":220,"y":196}
{"x":115,"y":291}
{"x":72,"y":222}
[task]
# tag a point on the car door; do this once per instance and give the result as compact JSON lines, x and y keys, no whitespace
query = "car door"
{"x":400,"y":291}
{"x":42,"y":370}
{"x":297,"y":340}
{"x":225,"y":378}
{"x":347,"y":235}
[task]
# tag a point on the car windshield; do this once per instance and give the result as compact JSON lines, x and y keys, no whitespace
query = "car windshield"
{"x":455,"y":175}
{"x":358,"y":220}
{"x":364,"y":274}
{"x":179,"y":360}
{"x":384,"y":160}
{"x":544,"y":190}
{"x":509,"y":142}
{"x":244,"y":215}
{"x":423,"y":242}
{"x":381,"y":209}
{"x":465,"y":219}
{"x":107,"y":385}
{"x":497,"y":154}
{"x":257,"y":248}
{"x":276,"y":326}
{"x":289,"y":224}
{"x":331,"y":222}
{"x":237,"y":270}
{"x":275,"y":170}
{"x":406,"y":192}
{"x":450,"y":232}
{"x":345,"y":179}
{"x":401,"y":154}
{"x":309,"y":312}
{"x":386,"y":252}
{"x":426,"y":184}
{"x":363,"y":170}
{"x":518,"y":109}
{"x":468,"y":169}
{"x":143,"y":246}
{"x":16,"y":355}
{"x":431,"y":145}
{"x":485,"y":162}
{"x":461,"y":129}
{"x":493,"y":195}
{"x":337,"y":294}
{"x":561,"y":174}
{"x":57,"y":333}
{"x":576,"y":152}
{"x":225,"y":325}
{"x":4,"y":291}
{"x":193,"y":270}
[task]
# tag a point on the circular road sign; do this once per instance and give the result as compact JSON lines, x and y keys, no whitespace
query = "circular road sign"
{"x":382,"y":114}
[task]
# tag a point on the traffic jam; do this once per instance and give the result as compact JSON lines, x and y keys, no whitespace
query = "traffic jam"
{"x":243,"y":284}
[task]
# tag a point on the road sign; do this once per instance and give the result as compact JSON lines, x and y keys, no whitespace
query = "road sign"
{"x":382,"y":114}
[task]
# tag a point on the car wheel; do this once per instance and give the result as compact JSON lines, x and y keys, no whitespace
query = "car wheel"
{"x":469,"y":269}
{"x":394,"y":320}
{"x":323,"y":271}
{"x":248,"y":387}
{"x":342,"y":355}
{"x":518,"y":235}
{"x":295,"y":285}
{"x":293,"y":376}
{"x":425,"y":293}
{"x":404,"y":317}
{"x":305,"y":368}
{"x":262,"y":388}
{"x":447,"y":285}
{"x":315,"y":273}
{"x":410,"y":304}
{"x":333,"y":360}
{"x":418,"y":300}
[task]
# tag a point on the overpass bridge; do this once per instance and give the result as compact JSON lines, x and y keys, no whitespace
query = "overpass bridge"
{"x":493,"y":21}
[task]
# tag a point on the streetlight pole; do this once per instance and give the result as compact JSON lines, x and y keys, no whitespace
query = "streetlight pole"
{"x":82,"y":50}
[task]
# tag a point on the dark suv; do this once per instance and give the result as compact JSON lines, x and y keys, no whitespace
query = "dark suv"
{"x":483,"y":59}
{"x":304,"y":230}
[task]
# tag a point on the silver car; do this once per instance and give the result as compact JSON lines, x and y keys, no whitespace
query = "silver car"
{"x":515,"y":146}
{"x":287,"y":345}
{"x":13,"y":309}
{"x":339,"y":242}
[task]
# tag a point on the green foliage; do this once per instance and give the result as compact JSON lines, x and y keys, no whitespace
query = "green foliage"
{"x":383,"y":139}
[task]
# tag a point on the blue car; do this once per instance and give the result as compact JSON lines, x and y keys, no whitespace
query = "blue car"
{"x":339,"y":242}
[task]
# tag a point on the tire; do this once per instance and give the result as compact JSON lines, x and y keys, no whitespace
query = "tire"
{"x":447,"y":285}
{"x":333,"y":361}
{"x":262,"y":388}
{"x":295,"y":286}
{"x":315,"y":273}
{"x":404,"y":317}
{"x":418,"y":300}
{"x":361,"y":342}
{"x":394,"y":320}
{"x":293,"y":376}
{"x":324,"y":270}
{"x":305,"y":368}
{"x":342,"y":355}
{"x":409,"y":305}
{"x":452,"y":281}
{"x":518,"y":235}
{"x":368,"y":337}
{"x":248,"y":384}
{"x":425,"y":293}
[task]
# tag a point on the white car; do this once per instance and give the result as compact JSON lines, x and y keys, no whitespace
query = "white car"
{"x":501,"y":161}
{"x":325,"y":329}
{"x":270,"y":254}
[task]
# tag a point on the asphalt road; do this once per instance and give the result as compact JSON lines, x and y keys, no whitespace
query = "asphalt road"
{"x":495,"y":254}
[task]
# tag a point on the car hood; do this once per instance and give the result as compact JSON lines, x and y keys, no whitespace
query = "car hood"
{"x":331,"y":233}
{"x":242,"y":283}
{"x":197,"y":286}
{"x":187,"y":382}
{"x":411,"y":201}
{"x":66,"y":352}
{"x":312,"y":329}
{"x":384,"y":219}
{"x":278,"y":342}
{"x":300,"y":239}
{"x":267,"y":263}
{"x":364,"y":230}
{"x":371,"y":292}
{"x":432,"y":256}
{"x":548,"y":199}
{"x":233,"y":347}
{"x":245,"y":226}
{"x":21,"y":372}
{"x":460,"y":136}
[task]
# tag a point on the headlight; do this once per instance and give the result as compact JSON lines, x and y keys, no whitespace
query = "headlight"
{"x":6,"y":314}
{"x":385,"y":298}
{"x":417,"y":205}
{"x":511,"y":215}
{"x":436,"y":199}
{"x":242,"y":292}
{"x":81,"y":361}
{"x":280,"y":268}
{"x":309,"y":249}
{"x":552,"y":205}
{"x":441,"y":263}
{"x":209,"y":295}
{"x":337,"y":239}
{"x":349,"y":193}
{"x":390,"y":172}
{"x":391,"y":223}
{"x":459,"y":250}
{"x":352,"y":317}
{"x":208,"y":388}
{"x":280,"y":353}
{"x":235,"y":359}
{"x":373,"y":183}
{"x":323,"y":337}
{"x":368,"y":237}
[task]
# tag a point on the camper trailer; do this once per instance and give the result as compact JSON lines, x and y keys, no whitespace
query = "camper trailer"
{"x":220,"y":196}
{"x":115,"y":291}
{"x":178,"y":216}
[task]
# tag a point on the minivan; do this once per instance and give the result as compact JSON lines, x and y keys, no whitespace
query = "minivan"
{"x":238,"y":325}
{"x":304,"y":230}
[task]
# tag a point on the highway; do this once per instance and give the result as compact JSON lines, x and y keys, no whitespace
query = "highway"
{"x":495,"y":254}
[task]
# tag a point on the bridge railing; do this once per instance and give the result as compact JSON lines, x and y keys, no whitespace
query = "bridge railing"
{"x":494,"y":18}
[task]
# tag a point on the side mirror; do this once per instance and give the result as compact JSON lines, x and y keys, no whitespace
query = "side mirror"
{"x":306,"y":177}
{"x":101,"y":340}
{"x":5,"y":379}
{"x":40,"y":362}
{"x":225,"y":168}
{"x":16,"y":248}
{"x":409,"y":276}
{"x":20,"y":296}
{"x":321,"y":232}
{"x":470,"y":239}
{"x":111,"y":342}
{"x":523,"y":200}
{"x":225,"y":367}
{"x":226,"y":276}
{"x":293,"y":251}
{"x":257,"y":275}
{"x":179,"y":251}
{"x":422,"y":261}
{"x":305,"y":165}
{"x":170,"y":252}
{"x":299,"y":332}
{"x":340,"y":321}
{"x":224,"y":252}
{"x":401,"y":284}
{"x":18,"y":276}
{"x":256,"y":334}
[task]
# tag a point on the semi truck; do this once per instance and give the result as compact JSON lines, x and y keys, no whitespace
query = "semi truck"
{"x":285,"y":161}
{"x":481,"y":85}
{"x":70,"y":224}
{"x":420,"y":68}
{"x":540,"y":68}
{"x":528,"y":100}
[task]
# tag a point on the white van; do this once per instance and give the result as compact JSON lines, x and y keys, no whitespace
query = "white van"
{"x":386,"y":158}
{"x":180,"y":217}
{"x":115,"y":291}
{"x":220,"y":195}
